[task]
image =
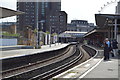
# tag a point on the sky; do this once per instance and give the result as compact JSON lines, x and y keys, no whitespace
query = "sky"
{"x":76,"y":9}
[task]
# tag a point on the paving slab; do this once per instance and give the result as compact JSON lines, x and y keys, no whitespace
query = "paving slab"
{"x":106,"y":69}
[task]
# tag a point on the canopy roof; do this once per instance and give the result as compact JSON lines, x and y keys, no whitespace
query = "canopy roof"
{"x":101,"y":19}
{"x":74,"y":32}
{"x":5,"y":12}
{"x":64,"y":35}
{"x":95,"y":30}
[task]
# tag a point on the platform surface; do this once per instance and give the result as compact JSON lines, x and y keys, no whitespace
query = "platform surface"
{"x":94,"y":69}
{"x":23,"y":52}
{"x":105,"y":70}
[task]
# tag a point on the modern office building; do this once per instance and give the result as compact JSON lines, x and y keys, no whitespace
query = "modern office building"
{"x":62,"y":21}
{"x":29,"y":17}
{"x":80,"y":22}
{"x":76,"y":30}
{"x":80,"y":25}
{"x":57,"y":22}
{"x":47,"y":11}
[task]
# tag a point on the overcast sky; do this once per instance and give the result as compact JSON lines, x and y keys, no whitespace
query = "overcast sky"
{"x":76,"y":9}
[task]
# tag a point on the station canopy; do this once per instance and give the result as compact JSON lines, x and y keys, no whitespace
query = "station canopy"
{"x":5,"y":12}
{"x":72,"y":34}
{"x":64,"y":35}
{"x":95,"y":30}
{"x":103,"y":19}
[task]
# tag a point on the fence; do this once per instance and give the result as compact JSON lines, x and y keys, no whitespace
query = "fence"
{"x":8,"y":42}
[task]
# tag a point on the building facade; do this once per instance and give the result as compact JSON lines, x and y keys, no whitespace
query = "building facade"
{"x":80,"y":26}
{"x":47,"y":12}
{"x":57,"y":22}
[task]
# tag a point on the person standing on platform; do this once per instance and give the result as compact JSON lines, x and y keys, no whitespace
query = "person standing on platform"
{"x":107,"y":49}
{"x":115,"y":47}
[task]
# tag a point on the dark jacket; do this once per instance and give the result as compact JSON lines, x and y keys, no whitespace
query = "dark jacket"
{"x":106,"y":49}
{"x":106,"y":52}
{"x":114,"y":44}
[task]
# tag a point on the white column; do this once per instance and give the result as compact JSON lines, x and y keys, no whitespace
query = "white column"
{"x":46,"y":39}
{"x":55,"y":38}
{"x":115,"y":29}
{"x":49,"y":40}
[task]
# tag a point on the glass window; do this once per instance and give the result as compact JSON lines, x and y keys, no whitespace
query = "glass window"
{"x":46,"y":4}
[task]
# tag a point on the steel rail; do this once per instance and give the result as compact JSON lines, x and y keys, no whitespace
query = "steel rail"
{"x":58,"y":69}
{"x":24,"y":73}
{"x":32,"y":64}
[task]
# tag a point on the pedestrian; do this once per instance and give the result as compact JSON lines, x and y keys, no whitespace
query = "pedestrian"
{"x":106,"y":51}
{"x":115,"y":46}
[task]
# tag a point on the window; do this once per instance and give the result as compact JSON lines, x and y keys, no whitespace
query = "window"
{"x":26,"y":19}
{"x":79,"y":29}
{"x":46,"y":4}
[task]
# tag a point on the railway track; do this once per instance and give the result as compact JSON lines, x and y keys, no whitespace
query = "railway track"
{"x":43,"y":71}
{"x":14,"y":71}
{"x":10,"y":63}
{"x":49,"y":68}
{"x":62,"y":65}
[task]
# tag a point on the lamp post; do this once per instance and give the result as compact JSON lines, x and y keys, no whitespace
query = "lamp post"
{"x":37,"y":41}
{"x":37,"y":22}
{"x":59,"y":29}
{"x":41,"y":22}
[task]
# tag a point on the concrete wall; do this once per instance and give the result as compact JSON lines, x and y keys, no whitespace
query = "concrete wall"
{"x":8,"y":42}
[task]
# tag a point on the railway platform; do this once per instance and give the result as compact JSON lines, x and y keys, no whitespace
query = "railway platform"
{"x":22,"y":52}
{"x":106,"y":70}
{"x":93,"y":69}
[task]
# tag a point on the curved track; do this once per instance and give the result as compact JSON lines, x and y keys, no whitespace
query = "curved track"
{"x":39,"y":64}
{"x":49,"y":68}
{"x":60,"y":66}
{"x":15,"y":62}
